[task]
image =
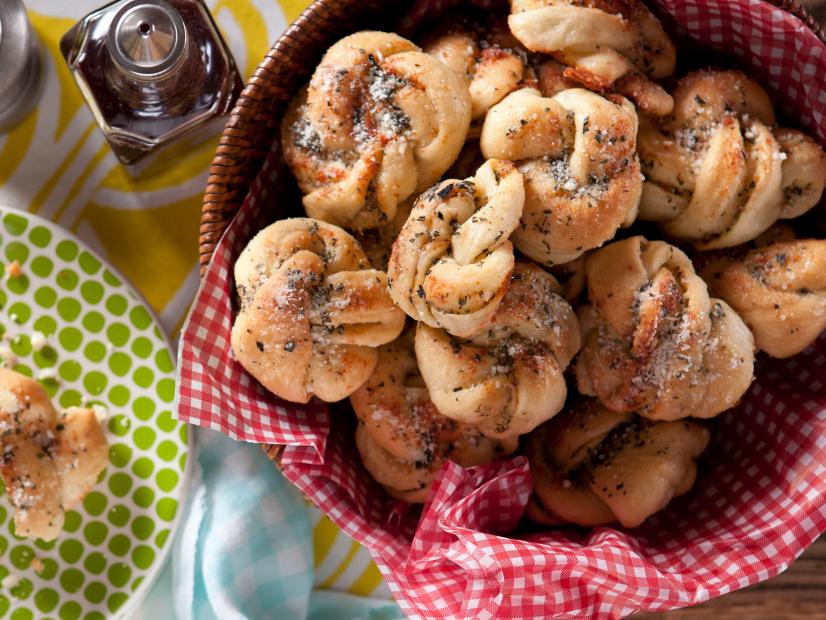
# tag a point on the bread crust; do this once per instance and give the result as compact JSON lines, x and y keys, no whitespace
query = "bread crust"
{"x":313,"y":311}
{"x":654,"y":341}
{"x":777,"y":284}
{"x":593,"y":466}
{"x":379,"y":121}
{"x":508,"y":378}
{"x":719,"y":172}
{"x":50,"y":460}
{"x":577,"y":154}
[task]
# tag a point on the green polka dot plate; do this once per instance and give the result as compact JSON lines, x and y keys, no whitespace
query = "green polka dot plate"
{"x":70,"y":321}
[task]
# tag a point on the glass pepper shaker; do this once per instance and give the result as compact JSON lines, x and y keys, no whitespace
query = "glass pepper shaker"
{"x":153,"y":72}
{"x":20,"y":66}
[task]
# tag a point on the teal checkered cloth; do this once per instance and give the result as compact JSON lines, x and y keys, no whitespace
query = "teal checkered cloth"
{"x":244,"y":549}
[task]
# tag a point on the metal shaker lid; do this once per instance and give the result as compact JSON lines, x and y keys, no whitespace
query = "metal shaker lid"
{"x":147,"y":38}
{"x":15,"y":43}
{"x":19,"y":64}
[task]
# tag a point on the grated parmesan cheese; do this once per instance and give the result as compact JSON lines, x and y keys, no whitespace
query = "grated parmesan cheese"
{"x":10,"y":581}
{"x":39,"y":341}
{"x":47,"y":374}
{"x":7,"y":355}
{"x":101,"y":413}
{"x":8,"y":402}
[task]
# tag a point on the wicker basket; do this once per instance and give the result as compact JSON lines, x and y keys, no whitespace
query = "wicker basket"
{"x":250,"y":134}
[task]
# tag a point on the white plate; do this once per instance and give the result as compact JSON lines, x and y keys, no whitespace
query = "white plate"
{"x":106,"y":348}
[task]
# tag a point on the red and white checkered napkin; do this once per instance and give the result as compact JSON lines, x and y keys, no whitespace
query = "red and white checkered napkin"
{"x":759,"y":502}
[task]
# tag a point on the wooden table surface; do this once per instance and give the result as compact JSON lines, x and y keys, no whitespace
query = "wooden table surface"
{"x":797,"y":594}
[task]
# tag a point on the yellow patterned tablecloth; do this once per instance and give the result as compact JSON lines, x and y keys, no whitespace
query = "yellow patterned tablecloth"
{"x":58,"y":165}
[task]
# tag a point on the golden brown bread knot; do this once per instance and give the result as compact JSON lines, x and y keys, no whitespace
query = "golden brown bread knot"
{"x":778,"y":286}
{"x":483,"y":53}
{"x":506,"y":379}
{"x":50,"y":461}
{"x":608,"y":45}
{"x":593,"y":466}
{"x":452,"y":261}
{"x":379,"y":121}
{"x":576,"y":151}
{"x":312,"y":311}
{"x":402,"y":438}
{"x":718,"y":172}
{"x":654,"y":342}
